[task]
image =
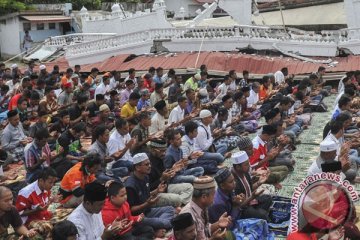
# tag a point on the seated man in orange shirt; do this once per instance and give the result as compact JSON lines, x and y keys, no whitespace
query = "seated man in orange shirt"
{"x":67,"y":77}
{"x":73,"y":183}
{"x":265,"y":89}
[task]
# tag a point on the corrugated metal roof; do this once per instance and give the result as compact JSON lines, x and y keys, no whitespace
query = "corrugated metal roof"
{"x":47,"y":18}
{"x":215,"y":61}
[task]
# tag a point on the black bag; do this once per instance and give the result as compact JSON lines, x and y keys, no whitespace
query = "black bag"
{"x":270,"y":104}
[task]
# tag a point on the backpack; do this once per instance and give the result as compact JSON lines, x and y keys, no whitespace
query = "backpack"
{"x":270,"y":104}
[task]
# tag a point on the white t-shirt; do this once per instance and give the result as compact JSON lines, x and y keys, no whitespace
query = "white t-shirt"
{"x":279,"y":77}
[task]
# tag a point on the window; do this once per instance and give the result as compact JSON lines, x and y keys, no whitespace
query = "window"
{"x":52,"y":26}
{"x":27,"y":26}
{"x":40,"y":26}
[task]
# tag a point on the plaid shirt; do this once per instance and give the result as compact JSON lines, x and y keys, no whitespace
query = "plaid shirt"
{"x":235,"y":110}
{"x":33,"y":154}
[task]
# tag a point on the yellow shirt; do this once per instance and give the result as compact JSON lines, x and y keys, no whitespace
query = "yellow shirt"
{"x":127,"y":110}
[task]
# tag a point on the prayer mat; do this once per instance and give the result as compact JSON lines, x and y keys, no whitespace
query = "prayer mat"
{"x":252,"y":229}
{"x":280,"y":215}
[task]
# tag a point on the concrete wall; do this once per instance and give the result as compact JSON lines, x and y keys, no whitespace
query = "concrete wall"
{"x":12,"y":35}
{"x":190,"y":6}
{"x":129,"y":25}
{"x":9,"y":37}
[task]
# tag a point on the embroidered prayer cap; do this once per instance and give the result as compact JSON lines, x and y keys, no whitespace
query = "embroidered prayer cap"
{"x":222,"y":175}
{"x":328,"y":146}
{"x":14,"y":66}
{"x":158,"y":144}
{"x":239,"y":157}
{"x":160,"y":105}
{"x":205,"y":113}
{"x":140,"y":157}
{"x":42,"y":67}
{"x":203,"y":92}
{"x":95,"y":192}
{"x":204,"y":182}
{"x":104,"y":107}
{"x":244,"y":142}
{"x":182,"y":221}
{"x":197,"y":76}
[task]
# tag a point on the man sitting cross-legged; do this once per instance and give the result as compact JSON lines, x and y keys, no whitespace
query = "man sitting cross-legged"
{"x":116,"y":207}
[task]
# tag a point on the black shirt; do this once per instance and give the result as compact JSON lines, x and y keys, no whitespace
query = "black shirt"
{"x":157,"y":169}
{"x":138,"y":191}
{"x":75,"y":112}
{"x":93,"y":109}
{"x":69,"y":142}
{"x":12,"y":218}
{"x":59,"y":127}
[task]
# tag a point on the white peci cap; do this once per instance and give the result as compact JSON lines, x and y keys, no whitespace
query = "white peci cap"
{"x":140,"y":157}
{"x":205,"y":113}
{"x":328,"y":146}
{"x":239,"y":157}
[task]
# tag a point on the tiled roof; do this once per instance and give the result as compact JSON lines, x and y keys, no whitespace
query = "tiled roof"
{"x":215,"y":61}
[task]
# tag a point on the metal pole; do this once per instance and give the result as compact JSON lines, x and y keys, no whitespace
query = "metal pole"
{"x":282,"y":15}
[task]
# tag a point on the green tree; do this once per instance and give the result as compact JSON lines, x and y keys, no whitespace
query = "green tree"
{"x":8,"y":6}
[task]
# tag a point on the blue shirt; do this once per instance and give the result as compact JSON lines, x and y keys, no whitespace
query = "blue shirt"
{"x":189,"y":107}
{"x":223,"y":203}
{"x":336,"y":113}
{"x":142,"y":104}
{"x":172,"y":156}
{"x":157,"y":79}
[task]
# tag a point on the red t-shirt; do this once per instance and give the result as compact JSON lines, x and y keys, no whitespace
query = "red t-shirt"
{"x":301,"y":236}
{"x":13,"y":101}
{"x":260,"y":152}
{"x":148,"y":84}
{"x":30,"y":197}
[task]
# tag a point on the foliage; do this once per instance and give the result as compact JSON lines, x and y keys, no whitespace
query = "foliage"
{"x":8,"y":6}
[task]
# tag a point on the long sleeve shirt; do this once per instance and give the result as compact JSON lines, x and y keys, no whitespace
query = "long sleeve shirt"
{"x":223,"y":203}
{"x":204,"y":138}
{"x":90,"y":226}
{"x":252,"y":99}
{"x":187,"y":146}
{"x":157,"y":123}
{"x":11,"y":137}
{"x":172,"y":156}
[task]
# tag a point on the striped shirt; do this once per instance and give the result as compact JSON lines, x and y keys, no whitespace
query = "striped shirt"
{"x":33,"y":154}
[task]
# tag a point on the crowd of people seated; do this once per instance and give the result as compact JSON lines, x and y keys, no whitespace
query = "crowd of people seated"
{"x":143,"y":157}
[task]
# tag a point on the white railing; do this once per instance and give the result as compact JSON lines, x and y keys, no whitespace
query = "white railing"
{"x":82,"y":44}
{"x":76,"y":38}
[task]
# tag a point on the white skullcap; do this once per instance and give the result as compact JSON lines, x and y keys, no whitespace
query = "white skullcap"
{"x":140,"y":157}
{"x":205,"y":113}
{"x":203,"y":92}
{"x":328,"y":146}
{"x":239,"y":157}
{"x":74,"y":76}
{"x":197,"y":76}
{"x":104,"y":107}
{"x":42,"y":67}
{"x":14,"y":66}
